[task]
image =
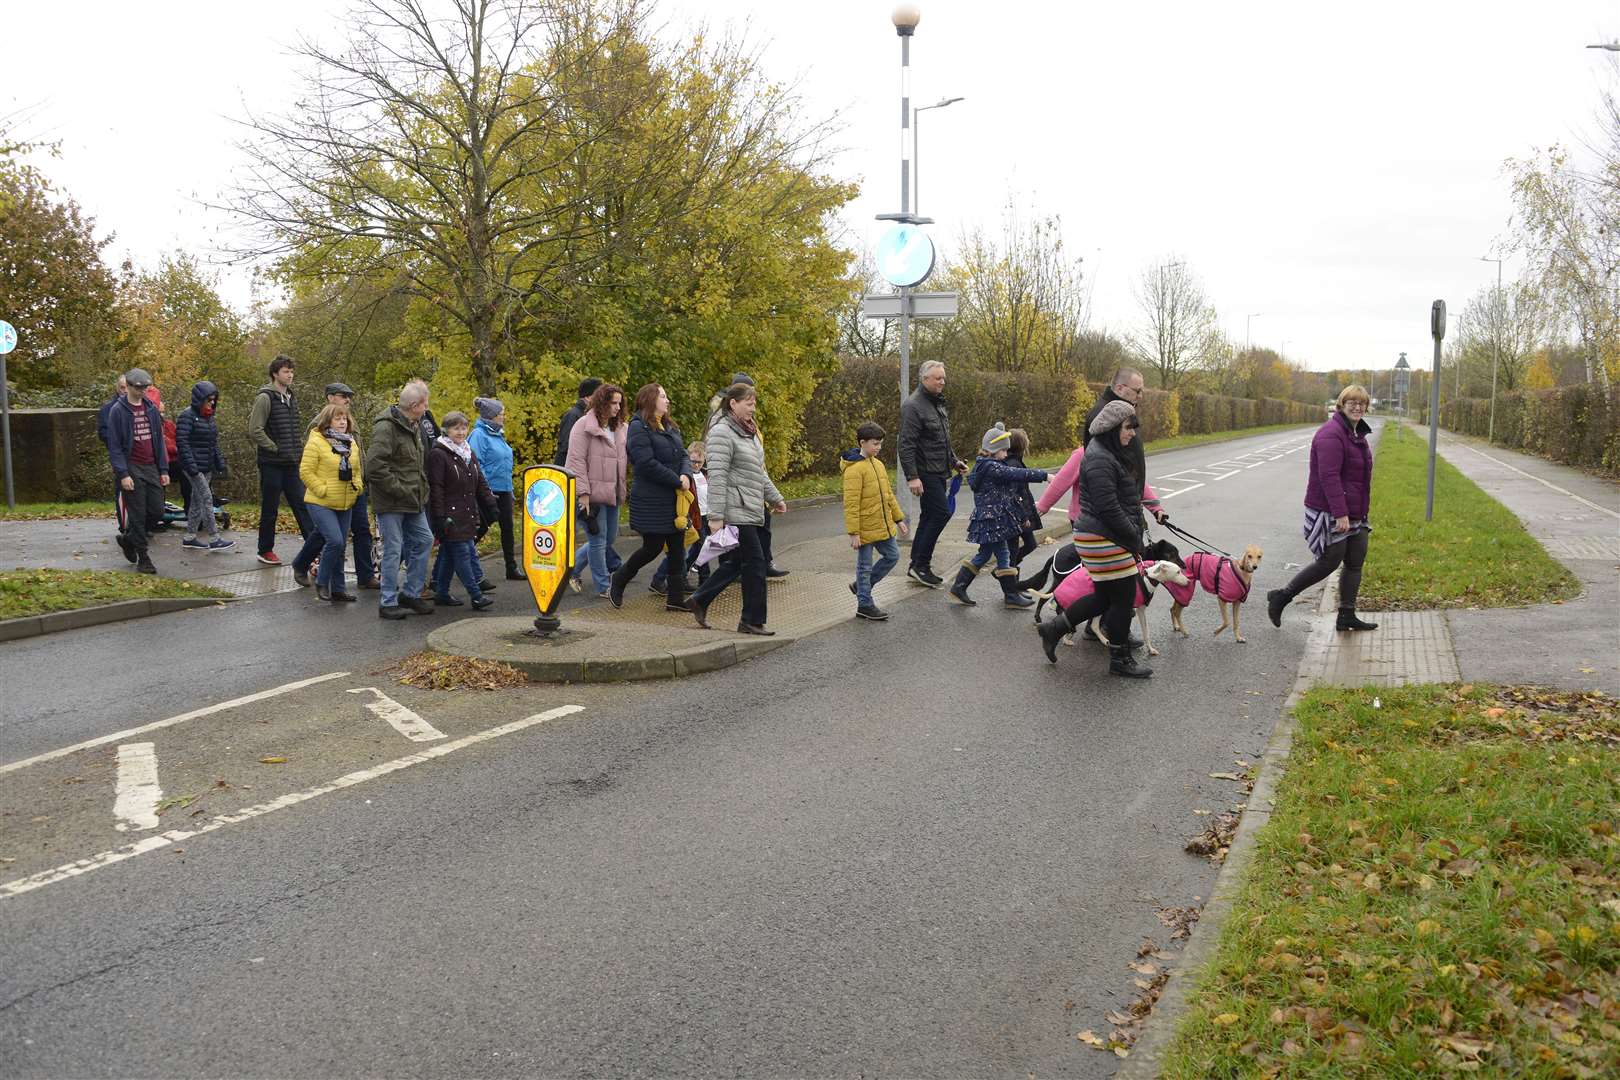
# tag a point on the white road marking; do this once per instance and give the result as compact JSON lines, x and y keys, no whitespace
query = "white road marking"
{"x":153,"y":843}
{"x":1183,"y":491}
{"x":1537,"y":479}
{"x":403,"y":720}
{"x":1224,"y":475}
{"x":136,"y":803}
{"x":171,"y":721}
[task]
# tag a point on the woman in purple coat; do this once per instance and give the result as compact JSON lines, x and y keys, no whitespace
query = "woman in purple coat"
{"x":1336,"y":497}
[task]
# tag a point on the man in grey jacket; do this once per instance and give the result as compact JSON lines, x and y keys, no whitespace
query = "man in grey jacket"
{"x":926,"y":461}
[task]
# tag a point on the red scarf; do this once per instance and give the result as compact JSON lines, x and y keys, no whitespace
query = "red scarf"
{"x":747,"y":427}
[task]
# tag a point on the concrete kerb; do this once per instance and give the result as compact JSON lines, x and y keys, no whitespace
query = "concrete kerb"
{"x":451,"y":640}
{"x":56,"y":621}
{"x":1147,"y":1055}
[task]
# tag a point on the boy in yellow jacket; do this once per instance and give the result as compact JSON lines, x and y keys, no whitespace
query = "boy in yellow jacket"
{"x":872,"y":517}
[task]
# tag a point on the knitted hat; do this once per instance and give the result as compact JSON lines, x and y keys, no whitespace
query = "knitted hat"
{"x":741,"y":377}
{"x":994,"y":439}
{"x":488,"y":408}
{"x":1111,"y":416}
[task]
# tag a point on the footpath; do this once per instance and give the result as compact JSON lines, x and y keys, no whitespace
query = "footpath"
{"x":1573,"y":645}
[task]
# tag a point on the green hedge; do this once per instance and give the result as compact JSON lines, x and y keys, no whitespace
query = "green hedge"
{"x":1572,"y":425}
{"x":1049,"y":407}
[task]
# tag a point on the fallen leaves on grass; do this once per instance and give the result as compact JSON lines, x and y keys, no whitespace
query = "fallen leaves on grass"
{"x":438,"y":671}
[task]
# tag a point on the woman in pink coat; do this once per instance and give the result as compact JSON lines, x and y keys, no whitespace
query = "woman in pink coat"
{"x":596,"y":457}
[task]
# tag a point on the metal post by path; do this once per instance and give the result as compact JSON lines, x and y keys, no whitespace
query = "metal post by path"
{"x":5,"y":428}
{"x":8,"y":341}
{"x":1437,"y":327}
{"x":905,"y":24}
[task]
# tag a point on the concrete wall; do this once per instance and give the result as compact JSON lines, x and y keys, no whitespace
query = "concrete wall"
{"x":45,"y":449}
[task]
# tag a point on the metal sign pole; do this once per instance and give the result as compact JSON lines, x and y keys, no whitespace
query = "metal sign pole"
{"x":1437,"y":327}
{"x":8,"y":341}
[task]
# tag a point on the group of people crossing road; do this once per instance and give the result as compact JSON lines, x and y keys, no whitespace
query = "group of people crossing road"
{"x":448,"y":482}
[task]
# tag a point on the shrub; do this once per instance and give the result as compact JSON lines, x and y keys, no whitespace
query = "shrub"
{"x":1573,"y":425}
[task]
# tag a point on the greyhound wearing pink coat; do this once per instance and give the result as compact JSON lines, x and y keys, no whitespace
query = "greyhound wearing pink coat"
{"x":1149,"y":576}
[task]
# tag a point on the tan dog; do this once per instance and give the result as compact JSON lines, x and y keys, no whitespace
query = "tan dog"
{"x":1227,"y":581}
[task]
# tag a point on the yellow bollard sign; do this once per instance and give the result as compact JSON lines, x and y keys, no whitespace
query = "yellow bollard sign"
{"x":548,"y":537}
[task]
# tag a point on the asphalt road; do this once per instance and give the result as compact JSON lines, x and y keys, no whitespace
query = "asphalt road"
{"x":912,"y":848}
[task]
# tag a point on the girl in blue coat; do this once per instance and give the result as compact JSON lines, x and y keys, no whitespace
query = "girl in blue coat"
{"x":494,"y":454}
{"x":998,"y":515}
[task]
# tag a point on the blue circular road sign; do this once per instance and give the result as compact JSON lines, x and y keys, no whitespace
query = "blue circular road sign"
{"x":8,"y":337}
{"x":905,"y":256}
{"x":545,"y":502}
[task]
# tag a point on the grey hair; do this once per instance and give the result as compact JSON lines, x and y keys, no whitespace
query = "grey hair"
{"x":413,"y":392}
{"x":1122,"y":377}
{"x":928,"y":366}
{"x":454,"y":419}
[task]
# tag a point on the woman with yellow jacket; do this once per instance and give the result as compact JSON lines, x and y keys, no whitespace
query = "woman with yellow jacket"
{"x":330,"y":470}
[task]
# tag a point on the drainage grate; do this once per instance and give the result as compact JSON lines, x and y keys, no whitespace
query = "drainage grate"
{"x":271,"y":579}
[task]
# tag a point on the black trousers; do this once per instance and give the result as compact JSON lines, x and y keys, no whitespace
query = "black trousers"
{"x":652,"y":544}
{"x":1025,"y":546}
{"x":1352,"y":552}
{"x":274,"y":481}
{"x":746,"y":561}
{"x":933,"y":513}
{"x":503,"y":509}
{"x":143,"y":506}
{"x":1114,"y":600}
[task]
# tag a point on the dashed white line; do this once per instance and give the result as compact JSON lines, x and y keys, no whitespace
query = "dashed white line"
{"x":1181,"y":491}
{"x":171,"y":721}
{"x":403,"y":720}
{"x":138,"y":794}
{"x":153,"y":843}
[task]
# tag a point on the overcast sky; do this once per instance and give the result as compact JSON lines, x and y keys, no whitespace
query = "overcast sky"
{"x":1332,"y":169}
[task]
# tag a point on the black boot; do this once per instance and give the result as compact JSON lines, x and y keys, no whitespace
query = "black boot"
{"x":1276,"y":600}
{"x":1052,"y":632}
{"x":1011,"y":596}
{"x":1123,"y":662}
{"x":1348,"y":621}
{"x":959,"y":587}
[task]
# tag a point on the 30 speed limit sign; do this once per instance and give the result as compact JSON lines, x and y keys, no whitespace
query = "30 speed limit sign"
{"x":545,"y":541}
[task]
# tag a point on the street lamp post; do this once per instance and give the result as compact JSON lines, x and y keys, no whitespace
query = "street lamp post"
{"x":1248,"y":327}
{"x":916,"y":148}
{"x":905,"y":18}
{"x":1496,"y":339}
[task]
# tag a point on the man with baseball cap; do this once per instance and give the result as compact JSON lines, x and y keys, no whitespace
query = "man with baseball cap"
{"x":365,"y":567}
{"x":140,"y":461}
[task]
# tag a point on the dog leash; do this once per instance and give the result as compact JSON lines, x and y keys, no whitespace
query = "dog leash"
{"x":1205,"y":544}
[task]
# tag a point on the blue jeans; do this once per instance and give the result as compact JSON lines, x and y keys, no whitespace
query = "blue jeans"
{"x":332,"y":530}
{"x":998,"y":549}
{"x":598,"y":551}
{"x":404,"y":535}
{"x":867,"y":575}
{"x":458,"y":558}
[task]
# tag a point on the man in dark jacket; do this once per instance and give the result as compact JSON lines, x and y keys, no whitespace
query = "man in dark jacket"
{"x":101,"y":433}
{"x":140,"y":462}
{"x":196,"y":439}
{"x":275,"y":430}
{"x":397,"y":484}
{"x":565,"y":427}
{"x":1127,"y":387}
{"x":926,"y":461}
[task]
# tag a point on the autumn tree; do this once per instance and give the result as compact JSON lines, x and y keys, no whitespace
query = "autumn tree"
{"x":500,"y":158}
{"x":1178,"y":334}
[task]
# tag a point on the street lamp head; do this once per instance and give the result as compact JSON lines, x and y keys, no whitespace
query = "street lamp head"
{"x":1608,"y":46}
{"x":906,"y":17}
{"x":942,"y":102}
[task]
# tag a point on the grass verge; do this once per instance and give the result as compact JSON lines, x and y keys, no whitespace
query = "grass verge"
{"x":54,"y":510}
{"x":1474,"y":553}
{"x":1438,"y":890}
{"x":38,"y":592}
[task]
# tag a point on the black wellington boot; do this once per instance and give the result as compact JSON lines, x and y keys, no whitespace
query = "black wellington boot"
{"x":1123,"y":662}
{"x":1347,"y":621}
{"x":1011,"y":595}
{"x":959,"y":587}
{"x":1276,"y":600}
{"x":1052,"y":632}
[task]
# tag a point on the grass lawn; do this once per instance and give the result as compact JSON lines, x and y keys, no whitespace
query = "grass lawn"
{"x":1473,"y":554}
{"x":47,"y":511}
{"x":1437,"y":891}
{"x":36,"y":592}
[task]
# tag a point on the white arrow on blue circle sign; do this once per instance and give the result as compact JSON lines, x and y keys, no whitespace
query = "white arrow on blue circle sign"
{"x":8,"y":337}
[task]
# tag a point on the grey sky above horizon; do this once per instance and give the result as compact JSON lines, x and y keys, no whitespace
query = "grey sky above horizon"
{"x":1332,"y":172}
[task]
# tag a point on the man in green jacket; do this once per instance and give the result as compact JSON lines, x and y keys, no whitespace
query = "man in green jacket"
{"x":396,"y":481}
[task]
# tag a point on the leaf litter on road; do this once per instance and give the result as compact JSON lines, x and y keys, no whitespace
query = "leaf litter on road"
{"x":437,"y":671}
